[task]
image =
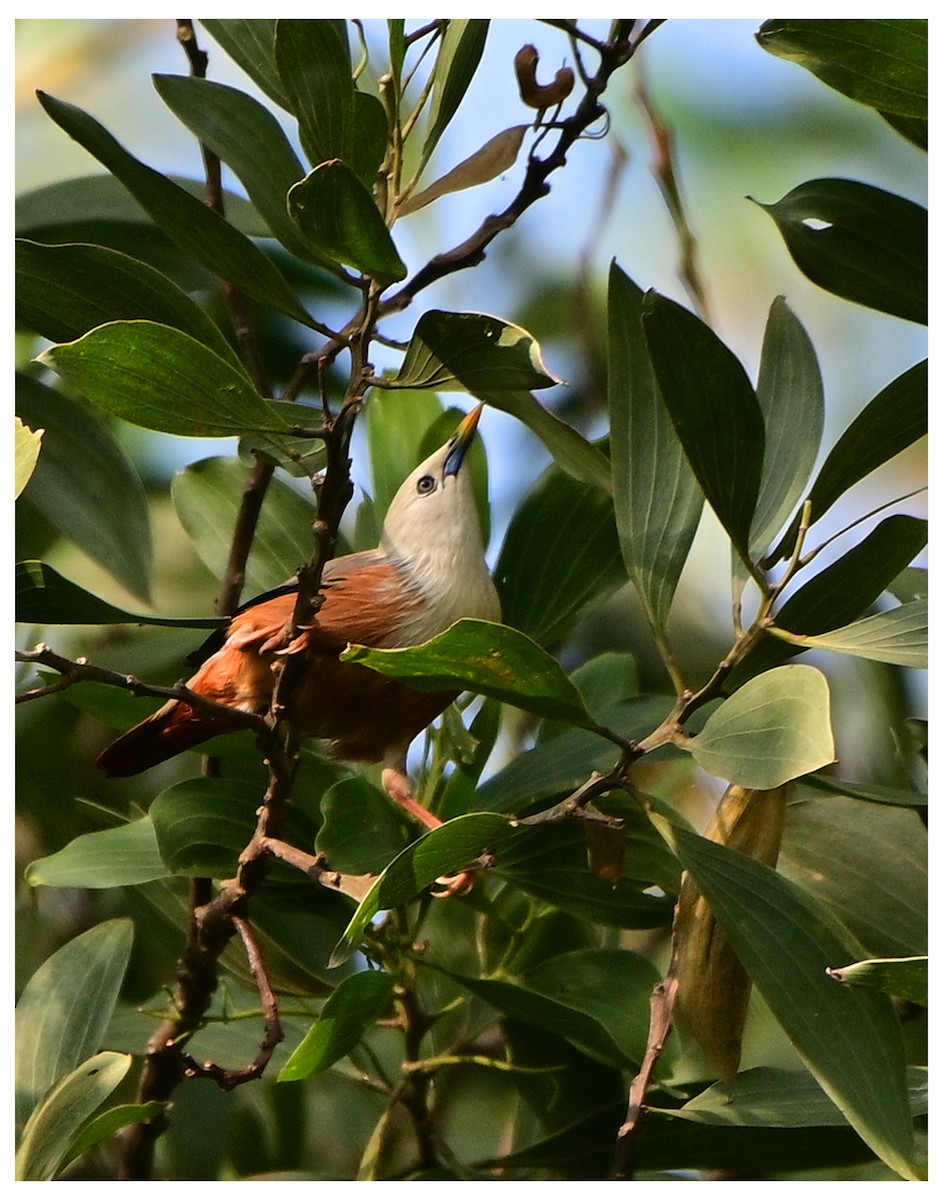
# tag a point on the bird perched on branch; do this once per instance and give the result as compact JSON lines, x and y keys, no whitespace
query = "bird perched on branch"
{"x":428,"y":572}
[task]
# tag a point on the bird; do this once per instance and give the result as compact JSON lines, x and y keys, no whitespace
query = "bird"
{"x":428,"y":572}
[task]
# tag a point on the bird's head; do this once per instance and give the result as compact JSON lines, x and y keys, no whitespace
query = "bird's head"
{"x":434,"y":509}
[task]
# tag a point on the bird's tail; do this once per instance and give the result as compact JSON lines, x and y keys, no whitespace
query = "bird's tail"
{"x":171,"y":730}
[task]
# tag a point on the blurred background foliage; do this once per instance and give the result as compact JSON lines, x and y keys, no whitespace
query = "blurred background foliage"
{"x":744,"y":124}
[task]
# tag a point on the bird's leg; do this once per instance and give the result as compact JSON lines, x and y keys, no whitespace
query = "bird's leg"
{"x":398,"y":787}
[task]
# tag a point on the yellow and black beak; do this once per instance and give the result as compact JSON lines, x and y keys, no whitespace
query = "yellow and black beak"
{"x":461,"y":441}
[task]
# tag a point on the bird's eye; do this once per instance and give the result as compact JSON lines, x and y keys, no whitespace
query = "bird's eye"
{"x":425,"y":485}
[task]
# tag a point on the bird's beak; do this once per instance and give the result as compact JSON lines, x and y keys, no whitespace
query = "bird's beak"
{"x":461,"y":440}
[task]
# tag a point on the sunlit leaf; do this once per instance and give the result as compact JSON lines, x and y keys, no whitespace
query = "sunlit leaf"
{"x":194,"y":226}
{"x":858,"y":242}
{"x":657,"y":500}
{"x":207,"y":495}
{"x":54,"y":1124}
{"x":64,"y":1009}
{"x":714,"y":411}
{"x":160,"y":378}
{"x":898,"y":636}
{"x":881,"y":63}
{"x":86,"y":486}
{"x":356,"y":1004}
{"x":773,"y":729}
{"x":337,"y":214}
{"x":110,"y":1122}
{"x":483,"y":657}
{"x":904,"y":977}
{"x":27,"y":444}
{"x":472,"y":352}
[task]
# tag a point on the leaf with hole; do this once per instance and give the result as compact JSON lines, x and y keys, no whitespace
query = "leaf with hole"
{"x":859,"y":242}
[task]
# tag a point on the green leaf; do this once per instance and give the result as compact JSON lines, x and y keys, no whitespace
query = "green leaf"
{"x":492,"y":159}
{"x":843,"y":590}
{"x":881,"y":63}
{"x":65,"y":1008}
{"x":773,"y":729}
{"x":86,"y":486}
{"x":657,"y":499}
{"x":371,"y":134}
{"x":27,"y":444}
{"x":196,"y":228}
{"x":565,"y":1019}
{"x":460,"y":52}
{"x":550,"y":863}
{"x":714,"y":411}
{"x":160,"y":378}
{"x":202,"y":824}
{"x":570,"y":450}
{"x":858,"y":242}
{"x":867,"y":863}
{"x":248,"y":139}
{"x":910,"y":584}
{"x":251,"y":44}
{"x":337,"y":214}
{"x":792,"y":400}
{"x":355,"y":1005}
{"x":59,"y":1119}
{"x":397,"y":424}
{"x":44,"y":597}
{"x":313,"y":59}
{"x":898,"y":636}
{"x":771,"y":1096}
{"x":452,"y":847}
{"x":111,"y":1122}
{"x":207,"y":495}
{"x":888,"y":424}
{"x":100,"y":210}
{"x":560,"y":554}
{"x":361,"y":831}
{"x":875,"y":792}
{"x":904,"y":977}
{"x":472,"y":352}
{"x":64,"y":291}
{"x":120,"y":857}
{"x":914,"y":129}
{"x":487,"y":658}
{"x":848,"y":1038}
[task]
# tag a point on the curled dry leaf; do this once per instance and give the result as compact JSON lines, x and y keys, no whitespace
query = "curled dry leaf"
{"x":534,"y":94}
